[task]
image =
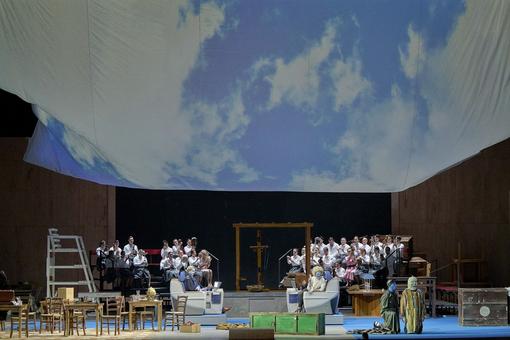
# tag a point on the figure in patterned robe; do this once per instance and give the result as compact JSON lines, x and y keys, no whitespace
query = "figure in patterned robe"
{"x":412,"y":307}
{"x":389,"y":308}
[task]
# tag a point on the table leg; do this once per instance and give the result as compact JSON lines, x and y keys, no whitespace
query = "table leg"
{"x":97,"y":320}
{"x":130,"y":316}
{"x":160,"y":315}
{"x":20,"y":314}
{"x":26,"y":324}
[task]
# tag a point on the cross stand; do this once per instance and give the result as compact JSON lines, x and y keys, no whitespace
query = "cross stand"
{"x":259,"y":248}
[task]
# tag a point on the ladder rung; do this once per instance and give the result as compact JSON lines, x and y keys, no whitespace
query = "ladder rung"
{"x":73,"y":266}
{"x":66,"y":250}
{"x":63,"y":283}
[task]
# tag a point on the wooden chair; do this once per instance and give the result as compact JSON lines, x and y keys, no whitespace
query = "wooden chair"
{"x":6,"y":296}
{"x":15,"y":321}
{"x":146,"y":313}
{"x":124,"y":315}
{"x":178,"y":312}
{"x":113,"y":311}
{"x":32,"y":314}
{"x":77,"y":316}
{"x":53,"y":312}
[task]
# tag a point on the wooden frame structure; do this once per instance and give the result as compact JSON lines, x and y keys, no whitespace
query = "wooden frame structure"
{"x":238,"y":226}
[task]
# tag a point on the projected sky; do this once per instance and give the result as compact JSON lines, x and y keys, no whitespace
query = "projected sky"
{"x":259,"y":95}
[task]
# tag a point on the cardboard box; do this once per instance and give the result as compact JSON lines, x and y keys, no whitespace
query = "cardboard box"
{"x":65,"y":293}
{"x":193,"y":328}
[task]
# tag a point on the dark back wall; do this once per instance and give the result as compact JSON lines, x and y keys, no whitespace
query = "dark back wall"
{"x":151,"y":216}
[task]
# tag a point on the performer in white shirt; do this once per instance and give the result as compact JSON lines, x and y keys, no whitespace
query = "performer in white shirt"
{"x":101,"y":250}
{"x":294,"y":261}
{"x":364,"y":244}
{"x":141,"y":274}
{"x":303,"y":258}
{"x":389,"y":243}
{"x":176,"y":247}
{"x":333,"y":248}
{"x":327,"y":264}
{"x":343,"y":249}
{"x":339,"y":271}
{"x":204,"y":262}
{"x":101,"y":253}
{"x":130,"y":249}
{"x":316,"y":258}
{"x":355,"y":250}
{"x":355,"y":240}
{"x":377,"y":243}
{"x":365,"y":260}
{"x":117,"y":251}
{"x":165,"y":250}
{"x":319,"y":243}
{"x":193,"y":259}
{"x":375,"y":259}
{"x":188,"y":247}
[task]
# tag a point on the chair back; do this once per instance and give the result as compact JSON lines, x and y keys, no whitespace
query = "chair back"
{"x":333,"y":285}
{"x":56,"y":305}
{"x":180,"y":304}
{"x":114,"y":305}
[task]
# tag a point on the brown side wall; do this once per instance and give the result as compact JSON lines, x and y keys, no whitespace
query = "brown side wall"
{"x":468,"y":203}
{"x":32,"y":199}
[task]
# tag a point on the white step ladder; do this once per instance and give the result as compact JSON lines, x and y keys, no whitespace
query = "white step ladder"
{"x":54,"y":248}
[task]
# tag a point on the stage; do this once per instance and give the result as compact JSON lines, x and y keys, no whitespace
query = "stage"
{"x":434,"y":328}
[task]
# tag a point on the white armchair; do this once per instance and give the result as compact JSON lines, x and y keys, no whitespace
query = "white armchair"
{"x":323,"y":302}
{"x":196,"y":300}
{"x":199,"y":303}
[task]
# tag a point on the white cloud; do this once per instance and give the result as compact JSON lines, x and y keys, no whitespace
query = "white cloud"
{"x":216,"y":126}
{"x":467,"y":99}
{"x":413,"y":57}
{"x":297,"y":81}
{"x":373,"y":152}
{"x":355,"y":21}
{"x":348,"y":82}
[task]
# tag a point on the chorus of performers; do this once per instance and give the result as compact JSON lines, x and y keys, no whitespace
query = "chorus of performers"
{"x":127,"y":267}
{"x":350,"y":261}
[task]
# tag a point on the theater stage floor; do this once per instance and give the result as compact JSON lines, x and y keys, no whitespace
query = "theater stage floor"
{"x":438,"y":328}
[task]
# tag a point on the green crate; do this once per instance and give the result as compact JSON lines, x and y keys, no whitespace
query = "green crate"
{"x":286,"y":323}
{"x":311,"y":324}
{"x":262,"y":320}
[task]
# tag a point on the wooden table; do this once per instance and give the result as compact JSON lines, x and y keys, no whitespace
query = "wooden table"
{"x":158,"y":304}
{"x":366,"y":302}
{"x":82,"y":306}
{"x":20,"y":309}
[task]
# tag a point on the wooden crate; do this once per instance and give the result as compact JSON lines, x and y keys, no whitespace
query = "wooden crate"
{"x":290,"y":323}
{"x":286,"y":323}
{"x":262,"y":320}
{"x":483,"y":307}
{"x":311,"y":324}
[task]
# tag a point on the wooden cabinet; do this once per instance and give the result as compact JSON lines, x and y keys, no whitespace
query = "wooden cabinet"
{"x":366,"y":302}
{"x":483,"y":307}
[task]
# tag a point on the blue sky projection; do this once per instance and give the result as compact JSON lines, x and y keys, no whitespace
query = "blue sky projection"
{"x":279,"y":95}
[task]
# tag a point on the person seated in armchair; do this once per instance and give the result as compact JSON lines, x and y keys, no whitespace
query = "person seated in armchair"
{"x":316,"y":282}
